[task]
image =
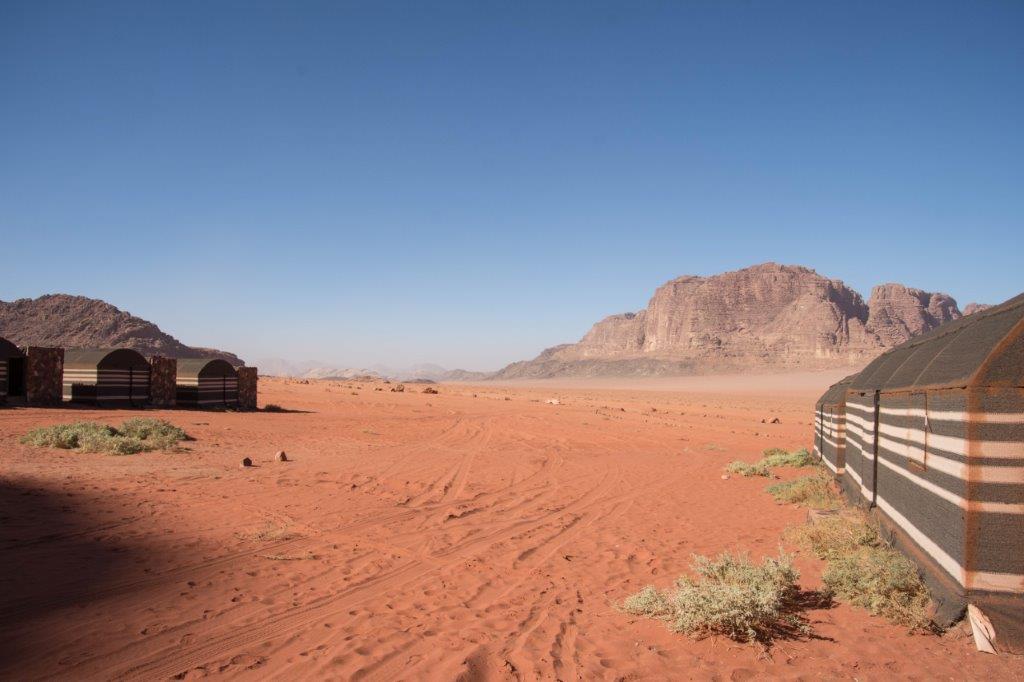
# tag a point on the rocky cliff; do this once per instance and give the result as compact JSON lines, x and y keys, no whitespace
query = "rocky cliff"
{"x":767,"y":316}
{"x":67,"y":321}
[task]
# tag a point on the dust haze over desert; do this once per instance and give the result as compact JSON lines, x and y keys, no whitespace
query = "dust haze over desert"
{"x":461,"y":341}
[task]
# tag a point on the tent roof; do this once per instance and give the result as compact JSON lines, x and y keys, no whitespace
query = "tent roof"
{"x":983,"y":349}
{"x":88,"y":358}
{"x":836,"y":393}
{"x":194,"y":367}
{"x":9,"y":350}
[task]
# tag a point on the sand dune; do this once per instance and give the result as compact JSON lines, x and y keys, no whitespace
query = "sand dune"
{"x":479,"y":533}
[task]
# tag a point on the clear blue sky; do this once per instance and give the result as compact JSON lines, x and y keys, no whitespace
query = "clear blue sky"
{"x":468,"y":183}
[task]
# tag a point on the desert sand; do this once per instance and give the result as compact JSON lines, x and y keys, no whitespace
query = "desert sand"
{"x":480,"y":533}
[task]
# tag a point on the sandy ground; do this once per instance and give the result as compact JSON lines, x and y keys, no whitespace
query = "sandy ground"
{"x":479,"y":533}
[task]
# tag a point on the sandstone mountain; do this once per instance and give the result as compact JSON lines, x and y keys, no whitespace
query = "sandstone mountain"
{"x":972,"y":308}
{"x":67,"y":321}
{"x":765,"y":316}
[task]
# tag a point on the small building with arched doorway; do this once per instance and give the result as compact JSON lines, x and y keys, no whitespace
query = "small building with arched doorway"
{"x":106,"y":376}
{"x":206,"y":382}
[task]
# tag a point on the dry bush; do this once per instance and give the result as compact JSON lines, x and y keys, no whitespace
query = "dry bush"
{"x":777,"y":457}
{"x":730,"y":596}
{"x":772,"y":457}
{"x":831,"y":537}
{"x":864,"y":571}
{"x":815,"y":492}
{"x":135,"y":435}
{"x":271,"y":407}
{"x":747,"y":469}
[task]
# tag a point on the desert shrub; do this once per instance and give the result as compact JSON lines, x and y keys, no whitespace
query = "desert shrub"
{"x":156,"y":432}
{"x":834,"y":536}
{"x":772,"y":457}
{"x":271,"y":407}
{"x":883,"y":581}
{"x":135,"y":435}
{"x":815,"y":492}
{"x":730,"y":595}
{"x":747,"y":469}
{"x":864,"y":571}
{"x":79,"y":435}
{"x":777,"y":457}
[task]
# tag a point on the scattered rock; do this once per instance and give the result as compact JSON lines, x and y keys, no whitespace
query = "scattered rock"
{"x":246,"y":462}
{"x":725,"y":477}
{"x":431,"y":390}
{"x":400,"y":388}
{"x":281,"y":456}
{"x":552,"y":401}
{"x":776,"y":420}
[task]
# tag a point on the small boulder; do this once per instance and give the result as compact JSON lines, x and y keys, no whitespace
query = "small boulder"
{"x":246,"y":462}
{"x":776,"y":420}
{"x":281,"y":456}
{"x":400,"y":388}
{"x":431,"y":390}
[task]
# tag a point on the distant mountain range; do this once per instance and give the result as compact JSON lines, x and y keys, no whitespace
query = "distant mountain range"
{"x":320,"y":370}
{"x":764,"y":316}
{"x":65,"y":321}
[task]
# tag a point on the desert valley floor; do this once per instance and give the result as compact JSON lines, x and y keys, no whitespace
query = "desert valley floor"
{"x":480,"y":533}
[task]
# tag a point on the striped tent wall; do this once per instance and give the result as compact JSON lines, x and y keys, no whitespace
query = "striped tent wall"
{"x":208,"y":391}
{"x":106,"y":377}
{"x":831,"y":438}
{"x":830,"y":427}
{"x":107,"y":385}
{"x":857,"y":479}
{"x":208,"y":382}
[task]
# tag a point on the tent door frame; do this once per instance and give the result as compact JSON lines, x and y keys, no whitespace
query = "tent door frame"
{"x":16,"y":377}
{"x":874,"y":454}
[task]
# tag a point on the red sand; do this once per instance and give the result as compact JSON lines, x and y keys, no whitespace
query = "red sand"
{"x":415,"y":536}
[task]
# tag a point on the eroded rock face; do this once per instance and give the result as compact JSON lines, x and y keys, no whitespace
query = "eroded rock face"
{"x":972,"y":308}
{"x":63,"y":321}
{"x":898,"y":313}
{"x":767,"y":315}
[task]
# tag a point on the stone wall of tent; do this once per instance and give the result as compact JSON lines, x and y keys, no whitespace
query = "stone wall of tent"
{"x":248,"y":379}
{"x":934,"y":445}
{"x":109,"y":377}
{"x":206,"y":383}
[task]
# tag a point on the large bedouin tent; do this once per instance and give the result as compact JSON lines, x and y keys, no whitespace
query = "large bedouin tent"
{"x":934,"y":443}
{"x":106,"y":377}
{"x":207,"y":383}
{"x":12,"y":371}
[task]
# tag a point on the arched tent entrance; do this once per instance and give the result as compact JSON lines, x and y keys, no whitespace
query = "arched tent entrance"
{"x":206,"y":383}
{"x":935,"y":446}
{"x":12,"y":371}
{"x":116,"y":377}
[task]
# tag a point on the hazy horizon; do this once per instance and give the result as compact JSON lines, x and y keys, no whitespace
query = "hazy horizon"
{"x":468,"y":183}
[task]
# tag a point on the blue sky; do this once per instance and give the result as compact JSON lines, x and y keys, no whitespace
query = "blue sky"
{"x":468,"y":183}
